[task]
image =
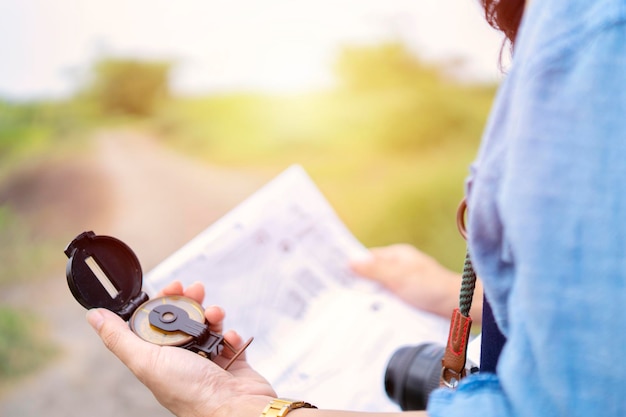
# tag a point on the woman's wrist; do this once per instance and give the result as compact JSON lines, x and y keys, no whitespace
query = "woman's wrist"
{"x":244,"y":406}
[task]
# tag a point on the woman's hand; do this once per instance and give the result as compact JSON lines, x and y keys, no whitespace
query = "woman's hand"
{"x":182,"y":381}
{"x":416,"y":278}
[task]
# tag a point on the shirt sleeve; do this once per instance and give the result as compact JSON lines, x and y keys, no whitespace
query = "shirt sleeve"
{"x":562,"y":205}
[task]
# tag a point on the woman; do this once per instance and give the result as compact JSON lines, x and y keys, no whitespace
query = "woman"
{"x":547,"y":235}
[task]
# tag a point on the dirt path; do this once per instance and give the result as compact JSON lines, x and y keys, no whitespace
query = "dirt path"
{"x":158,"y":200}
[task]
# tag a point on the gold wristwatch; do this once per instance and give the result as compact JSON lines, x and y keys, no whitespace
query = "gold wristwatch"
{"x":279,"y":407}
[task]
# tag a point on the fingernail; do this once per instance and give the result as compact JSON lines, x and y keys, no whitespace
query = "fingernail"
{"x":221,"y":310}
{"x":361,"y":257}
{"x":360,"y":261}
{"x":95,"y":318}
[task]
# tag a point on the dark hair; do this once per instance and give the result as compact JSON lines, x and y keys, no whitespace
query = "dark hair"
{"x":504,"y":15}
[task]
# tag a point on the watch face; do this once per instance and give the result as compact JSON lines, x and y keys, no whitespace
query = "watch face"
{"x":140,"y":321}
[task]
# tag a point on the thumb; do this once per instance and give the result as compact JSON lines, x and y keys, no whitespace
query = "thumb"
{"x":364,"y":265}
{"x":119,"y":339}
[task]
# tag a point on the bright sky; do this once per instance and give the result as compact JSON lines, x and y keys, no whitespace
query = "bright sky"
{"x":273,"y":45}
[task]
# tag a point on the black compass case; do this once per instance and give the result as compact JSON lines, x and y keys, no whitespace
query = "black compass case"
{"x":103,"y":272}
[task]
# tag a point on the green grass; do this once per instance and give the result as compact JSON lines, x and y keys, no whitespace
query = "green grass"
{"x":37,"y":130}
{"x":24,"y":345}
{"x":23,"y":255}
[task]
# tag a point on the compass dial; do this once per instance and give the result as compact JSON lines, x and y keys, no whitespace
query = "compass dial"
{"x":140,"y":322}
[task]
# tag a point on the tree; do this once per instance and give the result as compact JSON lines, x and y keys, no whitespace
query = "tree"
{"x":388,"y":65}
{"x":129,"y":86}
{"x":412,"y":103}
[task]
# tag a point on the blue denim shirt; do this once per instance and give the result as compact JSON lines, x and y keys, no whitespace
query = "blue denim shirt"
{"x":547,"y":220}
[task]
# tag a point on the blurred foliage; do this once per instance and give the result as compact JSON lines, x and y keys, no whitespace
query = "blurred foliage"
{"x":32,"y":130}
{"x":386,"y":66}
{"x":390,"y":146}
{"x":31,"y":135}
{"x":23,"y":345}
{"x":129,"y":86}
{"x":24,"y":254}
{"x":418,"y":105}
{"x":39,"y":139}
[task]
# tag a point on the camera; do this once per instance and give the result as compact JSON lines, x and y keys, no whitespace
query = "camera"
{"x":413,"y":372}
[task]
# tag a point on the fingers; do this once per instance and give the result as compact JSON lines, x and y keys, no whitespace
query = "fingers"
{"x":376,"y":265}
{"x":389,"y":262}
{"x":119,"y":339}
{"x":363,"y":265}
{"x":195,"y":291}
{"x":173,"y":288}
{"x":215,"y":316}
{"x":233,"y":345}
{"x":235,"y":341}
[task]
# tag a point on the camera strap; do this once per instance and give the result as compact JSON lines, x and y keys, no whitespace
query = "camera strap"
{"x":455,"y":356}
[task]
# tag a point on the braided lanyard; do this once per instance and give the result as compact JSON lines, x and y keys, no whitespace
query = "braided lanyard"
{"x":455,"y":356}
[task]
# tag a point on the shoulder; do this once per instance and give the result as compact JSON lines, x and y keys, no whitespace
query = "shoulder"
{"x":568,"y":76}
{"x":555,"y":32}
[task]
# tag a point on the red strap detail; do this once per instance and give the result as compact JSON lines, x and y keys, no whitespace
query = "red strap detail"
{"x":454,"y":358}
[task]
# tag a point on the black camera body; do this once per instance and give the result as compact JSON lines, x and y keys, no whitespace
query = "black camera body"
{"x":413,"y":372}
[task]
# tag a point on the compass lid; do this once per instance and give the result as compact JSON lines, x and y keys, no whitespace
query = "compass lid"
{"x":104,"y":272}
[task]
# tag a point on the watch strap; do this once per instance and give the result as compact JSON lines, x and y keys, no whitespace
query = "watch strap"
{"x":279,"y":407}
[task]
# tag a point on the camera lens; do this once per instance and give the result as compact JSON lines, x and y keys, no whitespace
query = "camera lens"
{"x":412,"y":373}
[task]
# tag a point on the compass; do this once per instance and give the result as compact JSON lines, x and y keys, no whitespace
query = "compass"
{"x":104,"y":272}
{"x":140,"y":320}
